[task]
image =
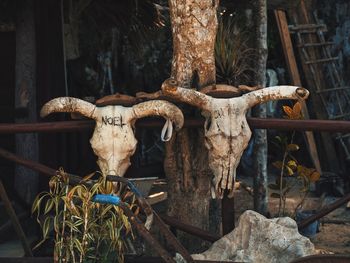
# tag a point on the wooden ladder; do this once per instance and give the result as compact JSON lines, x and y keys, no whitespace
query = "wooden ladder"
{"x":288,"y":51}
{"x":316,"y":55}
{"x":329,"y":100}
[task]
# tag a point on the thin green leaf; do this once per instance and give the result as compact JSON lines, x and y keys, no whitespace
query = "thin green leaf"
{"x":46,"y":227}
{"x":48,"y":206}
{"x":78,"y":245}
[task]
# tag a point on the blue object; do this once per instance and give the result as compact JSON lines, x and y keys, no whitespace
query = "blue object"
{"x":106,"y":199}
{"x":312,"y":229}
{"x":134,"y":189}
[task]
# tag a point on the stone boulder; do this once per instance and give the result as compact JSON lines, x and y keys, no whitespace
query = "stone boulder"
{"x":258,"y":239}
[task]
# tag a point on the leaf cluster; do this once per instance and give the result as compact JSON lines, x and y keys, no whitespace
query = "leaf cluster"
{"x":84,"y":231}
{"x":289,"y":166}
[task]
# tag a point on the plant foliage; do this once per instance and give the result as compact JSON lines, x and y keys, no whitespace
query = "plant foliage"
{"x":290,"y":167}
{"x":84,"y":231}
{"x":233,"y":57}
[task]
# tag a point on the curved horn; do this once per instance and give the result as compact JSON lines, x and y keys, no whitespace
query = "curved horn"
{"x":69,"y":104}
{"x":274,"y":93}
{"x":170,"y":88}
{"x":159,"y":108}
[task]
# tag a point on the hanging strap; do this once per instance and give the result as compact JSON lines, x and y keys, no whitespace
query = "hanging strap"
{"x":167,"y":131}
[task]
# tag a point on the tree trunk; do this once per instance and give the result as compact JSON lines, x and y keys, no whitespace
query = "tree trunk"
{"x":26,"y":181}
{"x":260,"y":137}
{"x":194,"y":25}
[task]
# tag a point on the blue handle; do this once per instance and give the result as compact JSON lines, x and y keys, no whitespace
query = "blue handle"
{"x":134,"y":189}
{"x":106,"y":199}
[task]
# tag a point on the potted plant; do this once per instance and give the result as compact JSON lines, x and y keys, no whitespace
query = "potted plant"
{"x":84,"y":231}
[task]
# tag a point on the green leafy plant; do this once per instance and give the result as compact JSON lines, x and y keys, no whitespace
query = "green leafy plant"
{"x":290,"y":167}
{"x":233,"y":56}
{"x":84,"y":231}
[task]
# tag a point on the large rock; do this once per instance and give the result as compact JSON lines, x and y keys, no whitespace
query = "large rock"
{"x":258,"y":239}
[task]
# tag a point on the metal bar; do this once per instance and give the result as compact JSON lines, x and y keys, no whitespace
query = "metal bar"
{"x":146,"y":207}
{"x":27,"y":260}
{"x":38,"y":167}
{"x":300,"y":125}
{"x":15,"y":222}
{"x":323,"y":259}
{"x":324,"y":211}
{"x":228,"y":213}
{"x":172,"y":239}
{"x":144,"y":259}
{"x":256,"y":123}
{"x":190,"y":229}
{"x":58,"y":126}
{"x":128,"y":259}
{"x":146,"y":235}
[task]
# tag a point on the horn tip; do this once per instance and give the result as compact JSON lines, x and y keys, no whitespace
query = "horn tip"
{"x":43,"y":112}
{"x":169,"y":85}
{"x":302,"y":93}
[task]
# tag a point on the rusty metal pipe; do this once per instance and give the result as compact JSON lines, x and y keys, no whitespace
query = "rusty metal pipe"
{"x":146,"y":235}
{"x":148,"y":209}
{"x":324,"y":211}
{"x":255,"y":123}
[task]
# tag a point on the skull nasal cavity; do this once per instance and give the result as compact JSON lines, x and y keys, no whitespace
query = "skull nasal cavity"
{"x":208,"y":124}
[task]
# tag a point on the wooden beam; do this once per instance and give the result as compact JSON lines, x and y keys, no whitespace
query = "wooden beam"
{"x":35,"y":166}
{"x":15,"y":222}
{"x":288,"y":51}
{"x":287,"y":46}
{"x":189,"y":229}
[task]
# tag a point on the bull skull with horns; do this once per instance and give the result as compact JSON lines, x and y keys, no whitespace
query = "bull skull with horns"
{"x":227,"y":132}
{"x":113,"y":140}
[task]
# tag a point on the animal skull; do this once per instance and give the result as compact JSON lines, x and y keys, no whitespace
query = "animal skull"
{"x":113,"y":140}
{"x":227,"y":132}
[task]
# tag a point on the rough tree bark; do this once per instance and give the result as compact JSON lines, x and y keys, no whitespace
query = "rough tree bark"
{"x":26,"y":181}
{"x":194,"y":26}
{"x":260,"y":136}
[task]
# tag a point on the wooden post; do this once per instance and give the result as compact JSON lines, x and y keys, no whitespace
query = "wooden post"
{"x":26,"y":181}
{"x":16,"y":225}
{"x":260,"y":136}
{"x":295,"y":77}
{"x":228,"y":214}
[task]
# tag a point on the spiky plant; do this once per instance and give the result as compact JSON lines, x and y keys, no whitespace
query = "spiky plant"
{"x":234,"y":58}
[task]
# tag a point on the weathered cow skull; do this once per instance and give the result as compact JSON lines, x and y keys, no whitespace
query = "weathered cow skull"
{"x":113,"y":140}
{"x":227,"y":132}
